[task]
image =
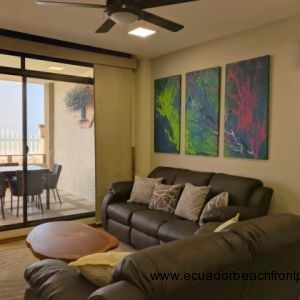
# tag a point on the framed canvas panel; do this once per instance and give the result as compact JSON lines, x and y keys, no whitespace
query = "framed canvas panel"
{"x":202,"y":112}
{"x":167,"y":110}
{"x":246,"y":108}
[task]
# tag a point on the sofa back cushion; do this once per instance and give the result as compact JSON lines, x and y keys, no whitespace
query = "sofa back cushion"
{"x":239,"y":188}
{"x":168,"y":174}
{"x":195,"y":178}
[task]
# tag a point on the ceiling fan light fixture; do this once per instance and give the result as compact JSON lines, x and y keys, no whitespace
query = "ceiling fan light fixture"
{"x":124,"y":17}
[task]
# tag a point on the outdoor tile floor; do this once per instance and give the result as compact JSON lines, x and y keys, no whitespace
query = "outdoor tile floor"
{"x":71,"y":204}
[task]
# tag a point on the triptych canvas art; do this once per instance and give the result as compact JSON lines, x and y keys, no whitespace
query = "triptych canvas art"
{"x":246,"y":111}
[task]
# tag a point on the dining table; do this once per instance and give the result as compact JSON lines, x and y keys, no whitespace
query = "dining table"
{"x":11,"y":171}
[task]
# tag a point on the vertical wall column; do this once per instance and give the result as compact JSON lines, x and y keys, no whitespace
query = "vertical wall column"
{"x":114,"y":93}
{"x":143,"y":92}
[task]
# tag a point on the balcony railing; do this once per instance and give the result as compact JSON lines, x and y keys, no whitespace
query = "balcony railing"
{"x":11,"y":148}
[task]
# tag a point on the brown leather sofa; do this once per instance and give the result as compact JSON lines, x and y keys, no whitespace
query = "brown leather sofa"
{"x":141,"y":227}
{"x":256,"y":259}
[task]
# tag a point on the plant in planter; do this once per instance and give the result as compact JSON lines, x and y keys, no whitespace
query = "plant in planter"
{"x":79,"y":98}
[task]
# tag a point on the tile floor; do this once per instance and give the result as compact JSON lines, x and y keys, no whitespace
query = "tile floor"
{"x":71,"y":204}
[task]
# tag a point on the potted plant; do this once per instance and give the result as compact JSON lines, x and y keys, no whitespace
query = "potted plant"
{"x":79,"y":98}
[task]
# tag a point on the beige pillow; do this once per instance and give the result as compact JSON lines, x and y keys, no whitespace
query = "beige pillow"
{"x":143,"y":189}
{"x":191,"y":201}
{"x":227,"y":223}
{"x":98,"y":267}
{"x":220,"y":200}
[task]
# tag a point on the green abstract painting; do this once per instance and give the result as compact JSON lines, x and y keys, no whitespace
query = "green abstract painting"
{"x":202,"y":112}
{"x":167,"y":108}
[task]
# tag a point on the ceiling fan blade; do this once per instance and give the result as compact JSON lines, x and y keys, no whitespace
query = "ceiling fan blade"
{"x":73,"y":4}
{"x":156,"y":3}
{"x":161,"y":22}
{"x":106,"y":26}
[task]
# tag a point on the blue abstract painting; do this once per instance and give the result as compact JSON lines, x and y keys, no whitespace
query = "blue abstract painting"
{"x":167,"y":109}
{"x":202,"y":112}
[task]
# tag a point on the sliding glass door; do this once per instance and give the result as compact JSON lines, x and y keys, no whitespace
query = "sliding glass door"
{"x":47,"y":131}
{"x":11,"y":151}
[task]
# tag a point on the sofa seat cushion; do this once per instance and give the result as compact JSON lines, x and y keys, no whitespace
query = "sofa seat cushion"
{"x":122,"y":212}
{"x":149,"y":221}
{"x":177,"y":230}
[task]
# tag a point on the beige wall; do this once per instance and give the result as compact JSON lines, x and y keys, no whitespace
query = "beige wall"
{"x":74,"y":147}
{"x":142,"y":117}
{"x":282,"y":41}
{"x":114,"y":92}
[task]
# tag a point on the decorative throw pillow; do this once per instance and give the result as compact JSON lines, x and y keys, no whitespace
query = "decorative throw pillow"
{"x":220,"y":200}
{"x":143,"y":189}
{"x":191,"y":201}
{"x":165,"y":197}
{"x":227,"y":223}
{"x":98,"y":267}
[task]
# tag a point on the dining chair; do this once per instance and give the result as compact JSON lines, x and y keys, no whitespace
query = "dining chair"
{"x":2,"y":193}
{"x":35,"y":187}
{"x":51,"y":180}
{"x":8,"y":178}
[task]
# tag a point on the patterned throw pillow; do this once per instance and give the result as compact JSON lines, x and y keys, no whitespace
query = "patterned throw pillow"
{"x":143,"y":189}
{"x":165,"y":197}
{"x":220,"y":200}
{"x":191,"y":201}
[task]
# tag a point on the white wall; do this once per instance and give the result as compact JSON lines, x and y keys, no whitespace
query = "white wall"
{"x":74,"y":147}
{"x":281,"y":171}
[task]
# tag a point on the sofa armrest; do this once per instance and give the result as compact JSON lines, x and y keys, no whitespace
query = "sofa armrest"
{"x":260,"y":200}
{"x":223,"y":214}
{"x":54,"y":279}
{"x":121,"y":290}
{"x":117,"y":192}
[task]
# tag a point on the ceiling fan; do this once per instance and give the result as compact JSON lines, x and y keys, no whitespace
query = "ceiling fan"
{"x":126,"y":12}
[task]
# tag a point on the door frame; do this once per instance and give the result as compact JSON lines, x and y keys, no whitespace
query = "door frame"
{"x":24,"y":74}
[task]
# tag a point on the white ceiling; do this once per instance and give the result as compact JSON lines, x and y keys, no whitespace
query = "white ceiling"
{"x":204,"y":20}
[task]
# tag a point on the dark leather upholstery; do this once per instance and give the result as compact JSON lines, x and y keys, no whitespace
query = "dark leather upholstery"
{"x":207,"y":228}
{"x":121,"y":290}
{"x":167,"y":173}
{"x":117,"y":192}
{"x":261,"y":245}
{"x":239,"y":188}
{"x":260,"y":200}
{"x":142,"y":240}
{"x":149,"y":221}
{"x":120,"y":230}
{"x":122,"y":212}
{"x":55,"y":280}
{"x":248,"y":196}
{"x":223,"y":214}
{"x":196,"y":178}
{"x":177,"y":230}
{"x":272,"y":242}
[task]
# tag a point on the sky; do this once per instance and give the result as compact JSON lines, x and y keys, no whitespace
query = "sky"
{"x":11,"y":106}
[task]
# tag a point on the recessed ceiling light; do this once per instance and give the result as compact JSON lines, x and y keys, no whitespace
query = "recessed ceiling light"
{"x":142,"y":32}
{"x":54,"y":68}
